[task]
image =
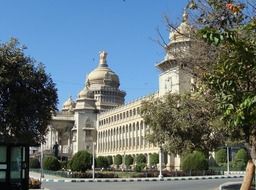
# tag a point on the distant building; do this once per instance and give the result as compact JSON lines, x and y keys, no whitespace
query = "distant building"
{"x":100,"y":115}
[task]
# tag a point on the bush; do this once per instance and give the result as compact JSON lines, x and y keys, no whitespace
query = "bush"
{"x":101,"y":162}
{"x":221,"y":156}
{"x":139,"y":167}
{"x":51,"y":163}
{"x":153,"y":159}
{"x":128,"y":160}
{"x":118,"y":160}
{"x":241,"y":155}
{"x":194,"y":161}
{"x":140,"y":159}
{"x":64,"y":164}
{"x":240,"y":160}
{"x":34,"y":163}
{"x":81,"y":161}
{"x":110,"y":160}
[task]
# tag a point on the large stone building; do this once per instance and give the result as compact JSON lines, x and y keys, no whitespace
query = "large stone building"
{"x":100,"y":115}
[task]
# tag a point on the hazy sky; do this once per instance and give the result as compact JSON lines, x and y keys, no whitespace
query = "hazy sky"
{"x":67,"y":35}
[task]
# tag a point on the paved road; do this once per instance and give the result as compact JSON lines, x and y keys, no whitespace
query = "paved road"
{"x":211,"y":184}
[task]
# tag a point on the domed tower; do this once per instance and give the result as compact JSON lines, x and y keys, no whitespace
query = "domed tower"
{"x":172,"y":77}
{"x":69,"y":105}
{"x":104,"y":84}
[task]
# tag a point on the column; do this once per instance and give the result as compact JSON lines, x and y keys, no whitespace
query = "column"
{"x":169,"y":162}
{"x":148,"y":160}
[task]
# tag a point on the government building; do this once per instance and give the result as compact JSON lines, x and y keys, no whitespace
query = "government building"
{"x":99,"y":116}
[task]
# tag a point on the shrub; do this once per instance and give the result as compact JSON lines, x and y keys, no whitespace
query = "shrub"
{"x":194,"y":161}
{"x":221,"y":156}
{"x":141,"y":158}
{"x":51,"y":163}
{"x":110,"y":160}
{"x":139,"y":167}
{"x":153,"y":159}
{"x":34,"y":163}
{"x":81,"y":161}
{"x":118,"y":160}
{"x":64,"y":164}
{"x":128,"y":160}
{"x":101,"y":162}
{"x":241,"y":155}
{"x":240,"y":160}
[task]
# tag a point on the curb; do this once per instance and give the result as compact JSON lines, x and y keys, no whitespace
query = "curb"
{"x":77,"y":180}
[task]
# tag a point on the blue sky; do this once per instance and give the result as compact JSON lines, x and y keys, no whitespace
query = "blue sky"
{"x":66,"y":36}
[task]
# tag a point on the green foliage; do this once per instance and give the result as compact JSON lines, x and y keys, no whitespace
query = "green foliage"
{"x":102,"y":162}
{"x":241,"y":155}
{"x":128,"y":160}
{"x":64,"y":164}
{"x":140,"y":159}
{"x":139,"y":167}
{"x":34,"y":163}
{"x":28,"y":95}
{"x":51,"y":163}
{"x":194,"y":161}
{"x":110,"y":160}
{"x":221,"y":156}
{"x":240,"y":160}
{"x":231,"y":75}
{"x":182,"y":122}
{"x":118,"y":160}
{"x":81,"y":161}
{"x":153,"y":159}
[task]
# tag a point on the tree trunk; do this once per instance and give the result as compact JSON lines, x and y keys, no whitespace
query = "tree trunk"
{"x":247,"y":182}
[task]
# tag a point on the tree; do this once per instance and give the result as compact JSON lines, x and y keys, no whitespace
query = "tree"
{"x":140,"y":159}
{"x":118,"y":160}
{"x":28,"y":96}
{"x":81,"y":161}
{"x":128,"y":160}
{"x":182,"y":123}
{"x":153,"y":159}
{"x":194,"y":161}
{"x":231,"y":76}
{"x":221,"y":157}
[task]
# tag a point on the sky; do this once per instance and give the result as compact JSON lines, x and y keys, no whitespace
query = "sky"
{"x":67,"y":36}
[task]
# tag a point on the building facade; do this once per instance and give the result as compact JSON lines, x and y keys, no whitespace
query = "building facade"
{"x":100,"y":115}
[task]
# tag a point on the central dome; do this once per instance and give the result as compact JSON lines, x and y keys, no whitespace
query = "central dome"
{"x":103,"y":74}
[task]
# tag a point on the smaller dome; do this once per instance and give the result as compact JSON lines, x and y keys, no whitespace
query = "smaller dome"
{"x":69,"y":104}
{"x":85,"y":93}
{"x":183,"y":31}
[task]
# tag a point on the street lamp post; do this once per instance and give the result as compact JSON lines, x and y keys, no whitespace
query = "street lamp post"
{"x":93,"y":160}
{"x":41,"y":160}
{"x":160,"y":163}
{"x":227,"y":160}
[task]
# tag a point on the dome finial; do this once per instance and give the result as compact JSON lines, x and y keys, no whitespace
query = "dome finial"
{"x":103,"y":57}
